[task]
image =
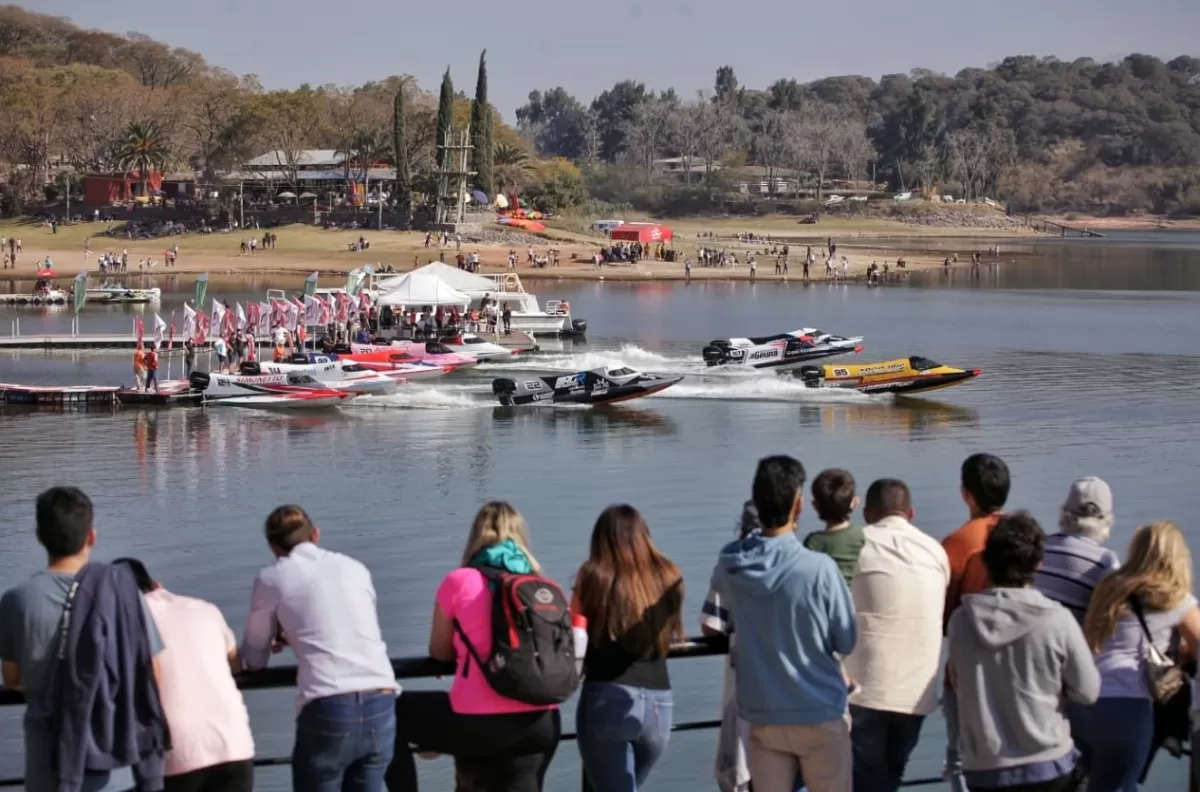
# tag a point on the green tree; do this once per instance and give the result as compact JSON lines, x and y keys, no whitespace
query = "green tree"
{"x":481,"y":131}
{"x":400,"y":158}
{"x":513,"y":165}
{"x":445,"y":117}
{"x":143,"y":149}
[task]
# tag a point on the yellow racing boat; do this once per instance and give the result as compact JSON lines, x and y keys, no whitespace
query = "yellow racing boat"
{"x":903,"y":376}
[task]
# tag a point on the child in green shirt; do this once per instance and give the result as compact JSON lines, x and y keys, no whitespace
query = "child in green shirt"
{"x":834,"y":500}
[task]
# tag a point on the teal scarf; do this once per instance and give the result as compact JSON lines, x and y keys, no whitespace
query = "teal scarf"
{"x":507,"y":556}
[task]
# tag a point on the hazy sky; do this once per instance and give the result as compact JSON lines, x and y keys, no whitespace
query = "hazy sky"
{"x":587,"y":46}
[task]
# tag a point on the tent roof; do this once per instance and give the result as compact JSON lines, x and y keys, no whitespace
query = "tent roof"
{"x":420,"y":288}
{"x":458,"y":279}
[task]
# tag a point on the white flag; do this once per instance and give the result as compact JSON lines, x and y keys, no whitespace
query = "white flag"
{"x":312,"y":311}
{"x":189,"y":321}
{"x":293,"y":317}
{"x":218,"y":315}
{"x":241,"y":317}
{"x":160,"y":328}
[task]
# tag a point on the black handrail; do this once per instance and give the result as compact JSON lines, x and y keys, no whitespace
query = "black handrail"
{"x":426,"y":667}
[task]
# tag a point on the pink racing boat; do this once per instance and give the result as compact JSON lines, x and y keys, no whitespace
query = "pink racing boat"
{"x":434,"y":352}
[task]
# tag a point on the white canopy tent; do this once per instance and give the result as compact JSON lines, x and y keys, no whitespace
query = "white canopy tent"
{"x":420,"y":288}
{"x":461,"y":280}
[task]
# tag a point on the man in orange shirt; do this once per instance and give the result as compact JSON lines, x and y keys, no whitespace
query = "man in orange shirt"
{"x":139,"y":369}
{"x":984,"y":486}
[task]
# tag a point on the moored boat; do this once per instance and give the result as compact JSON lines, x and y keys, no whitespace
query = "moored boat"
{"x":603,"y":385}
{"x":780,"y":352}
{"x":902,"y":376}
{"x":266,"y":391}
{"x":434,"y":352}
{"x":122,"y":296}
{"x":335,"y":374}
{"x":479,"y":348}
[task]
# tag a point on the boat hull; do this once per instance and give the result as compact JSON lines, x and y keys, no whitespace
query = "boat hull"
{"x":273,"y":402}
{"x":893,"y":377}
{"x":789,"y":363}
{"x":783,"y":352}
{"x":612,"y":394}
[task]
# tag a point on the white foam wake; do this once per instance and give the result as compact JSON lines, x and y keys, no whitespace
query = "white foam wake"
{"x":418,"y":397}
{"x":630,"y":355}
{"x":760,"y":388}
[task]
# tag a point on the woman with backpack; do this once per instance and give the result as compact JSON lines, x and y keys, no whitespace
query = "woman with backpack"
{"x":500,"y":720}
{"x":632,"y":598}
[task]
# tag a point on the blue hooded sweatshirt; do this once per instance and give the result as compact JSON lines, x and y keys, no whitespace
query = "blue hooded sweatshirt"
{"x":791,"y":612}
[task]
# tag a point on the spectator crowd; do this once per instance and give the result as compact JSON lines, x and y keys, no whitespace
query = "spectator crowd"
{"x":1054,"y":663}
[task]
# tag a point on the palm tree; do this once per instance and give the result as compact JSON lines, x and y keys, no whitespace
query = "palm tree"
{"x":510,"y":165}
{"x":143,"y":149}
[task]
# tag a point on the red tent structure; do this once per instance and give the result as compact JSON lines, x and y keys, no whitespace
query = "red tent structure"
{"x":646,"y":233}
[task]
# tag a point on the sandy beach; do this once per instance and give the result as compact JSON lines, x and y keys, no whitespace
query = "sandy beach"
{"x":302,"y":249}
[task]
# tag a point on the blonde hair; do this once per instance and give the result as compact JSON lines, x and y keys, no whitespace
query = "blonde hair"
{"x":493,"y":524}
{"x":1158,"y":571}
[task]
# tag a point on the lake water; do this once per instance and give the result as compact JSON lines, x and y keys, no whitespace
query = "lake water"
{"x":1090,"y":366}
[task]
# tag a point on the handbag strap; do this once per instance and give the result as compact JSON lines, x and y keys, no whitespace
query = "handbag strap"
{"x":1136,"y":605}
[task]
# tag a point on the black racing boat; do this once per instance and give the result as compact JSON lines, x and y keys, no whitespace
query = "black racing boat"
{"x":603,"y":385}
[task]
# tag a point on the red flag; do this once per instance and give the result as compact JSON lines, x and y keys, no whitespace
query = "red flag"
{"x":343,"y":307}
{"x":171,"y":333}
{"x":364,"y":302}
{"x":253,"y":317}
{"x":325,"y":316}
{"x":141,"y":331}
{"x":203,"y":324}
{"x":229,"y":320}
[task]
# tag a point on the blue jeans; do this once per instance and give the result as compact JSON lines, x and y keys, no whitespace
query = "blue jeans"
{"x":882,"y":742}
{"x":954,"y":770}
{"x":623,"y":732}
{"x":1114,"y":735}
{"x":344,"y":742}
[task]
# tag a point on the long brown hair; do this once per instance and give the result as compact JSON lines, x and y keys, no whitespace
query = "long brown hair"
{"x":1158,"y":571}
{"x":631,"y":594}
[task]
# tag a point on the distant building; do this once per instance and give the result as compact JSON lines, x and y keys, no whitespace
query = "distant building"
{"x":104,"y":189}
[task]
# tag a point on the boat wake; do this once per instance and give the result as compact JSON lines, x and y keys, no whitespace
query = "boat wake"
{"x":418,"y":397}
{"x":769,"y":388}
{"x":629,"y":354}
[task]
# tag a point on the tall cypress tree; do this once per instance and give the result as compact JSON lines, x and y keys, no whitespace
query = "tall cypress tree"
{"x":400,"y":157}
{"x":445,"y":117}
{"x":481,"y":131}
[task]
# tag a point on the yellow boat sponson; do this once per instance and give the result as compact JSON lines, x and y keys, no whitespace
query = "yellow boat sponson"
{"x":904,"y":375}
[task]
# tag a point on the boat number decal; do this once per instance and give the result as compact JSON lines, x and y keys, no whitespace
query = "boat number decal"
{"x":533,"y":385}
{"x":736,"y":353}
{"x":841,"y":372}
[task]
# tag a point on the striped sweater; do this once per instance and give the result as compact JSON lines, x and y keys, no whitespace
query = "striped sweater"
{"x":1072,"y":566}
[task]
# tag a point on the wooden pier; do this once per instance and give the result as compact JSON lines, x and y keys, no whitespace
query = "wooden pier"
{"x":1044,"y":226}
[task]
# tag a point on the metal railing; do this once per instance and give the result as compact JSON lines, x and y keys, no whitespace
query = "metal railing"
{"x":425,"y":668}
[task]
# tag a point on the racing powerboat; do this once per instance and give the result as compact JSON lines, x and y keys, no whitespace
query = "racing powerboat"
{"x":479,"y":348}
{"x":334,"y":374}
{"x":603,"y":385}
{"x":266,"y":391}
{"x":434,"y":352}
{"x":780,"y":352}
{"x":902,"y":376}
{"x":122,"y":296}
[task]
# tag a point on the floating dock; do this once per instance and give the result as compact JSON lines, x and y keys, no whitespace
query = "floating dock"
{"x":67,"y":342}
{"x":172,"y":393}
{"x":34,"y":299}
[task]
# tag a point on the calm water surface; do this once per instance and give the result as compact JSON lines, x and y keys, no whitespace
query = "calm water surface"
{"x":1091,"y":367}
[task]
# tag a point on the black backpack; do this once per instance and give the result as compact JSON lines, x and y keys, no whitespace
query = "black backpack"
{"x":532,"y":657}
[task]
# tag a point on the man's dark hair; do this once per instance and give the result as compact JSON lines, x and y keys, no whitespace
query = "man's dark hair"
{"x":985,"y":477}
{"x":1014,"y":550}
{"x":833,"y":494}
{"x":288,"y":526}
{"x":886,"y":497}
{"x":64,"y":520}
{"x":140,"y":573}
{"x":778,"y":481}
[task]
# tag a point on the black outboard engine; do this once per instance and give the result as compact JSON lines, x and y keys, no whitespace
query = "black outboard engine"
{"x":199,"y":380}
{"x":579,"y":326}
{"x":716,"y":352}
{"x":811,"y":375}
{"x":299,"y":359}
{"x":250,"y":369}
{"x":504,"y":388}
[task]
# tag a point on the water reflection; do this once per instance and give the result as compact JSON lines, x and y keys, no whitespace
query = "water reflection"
{"x":916,"y":417}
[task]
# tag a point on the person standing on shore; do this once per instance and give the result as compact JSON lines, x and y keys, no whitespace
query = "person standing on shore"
{"x":322,"y":604}
{"x":151,"y":363}
{"x":189,"y":358}
{"x":899,"y":591}
{"x":794,"y":617}
{"x":139,"y":369}
{"x":984,"y":485}
{"x":1076,"y":559}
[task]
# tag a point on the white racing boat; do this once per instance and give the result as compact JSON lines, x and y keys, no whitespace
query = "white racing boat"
{"x":780,"y":352}
{"x":267,"y":391}
{"x":122,"y":296}
{"x":344,"y":375}
{"x":480,"y":348}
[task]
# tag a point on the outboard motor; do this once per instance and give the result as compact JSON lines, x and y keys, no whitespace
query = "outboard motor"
{"x":250,"y":369}
{"x":579,"y":326}
{"x":340,"y":349}
{"x":504,"y":388}
{"x":299,"y":359}
{"x":199,"y":380}
{"x":716,"y":352}
{"x":811,"y":375}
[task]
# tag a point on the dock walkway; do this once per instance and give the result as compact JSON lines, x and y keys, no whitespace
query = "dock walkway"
{"x":66,"y":342}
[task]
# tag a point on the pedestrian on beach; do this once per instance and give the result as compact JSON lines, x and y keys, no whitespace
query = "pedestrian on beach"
{"x":632,"y":598}
{"x":323,"y":605}
{"x":1021,"y":739}
{"x":794,"y":618}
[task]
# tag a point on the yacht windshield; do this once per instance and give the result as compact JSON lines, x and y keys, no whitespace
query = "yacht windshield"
{"x":922,"y":364}
{"x":434,"y":348}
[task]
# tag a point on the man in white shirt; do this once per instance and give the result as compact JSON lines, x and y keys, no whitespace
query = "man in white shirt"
{"x":322,"y":605}
{"x":899,"y":591}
